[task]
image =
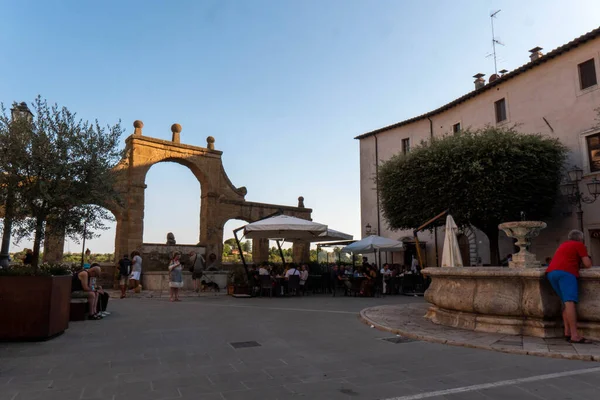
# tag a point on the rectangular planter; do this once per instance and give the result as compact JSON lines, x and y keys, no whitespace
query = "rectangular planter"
{"x":34,"y":307}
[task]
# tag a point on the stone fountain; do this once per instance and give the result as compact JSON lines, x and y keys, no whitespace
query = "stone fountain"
{"x":517,"y":300}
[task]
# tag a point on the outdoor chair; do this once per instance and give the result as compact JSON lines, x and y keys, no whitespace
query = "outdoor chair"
{"x":294,"y":284}
{"x":266,"y":284}
{"x":337,"y":284}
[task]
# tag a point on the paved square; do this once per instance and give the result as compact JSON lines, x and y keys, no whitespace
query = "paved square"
{"x":310,"y":348}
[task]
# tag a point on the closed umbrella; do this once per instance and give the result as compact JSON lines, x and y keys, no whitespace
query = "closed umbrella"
{"x":451,"y":254}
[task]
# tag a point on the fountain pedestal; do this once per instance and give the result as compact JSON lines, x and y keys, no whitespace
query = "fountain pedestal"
{"x":523,"y":231}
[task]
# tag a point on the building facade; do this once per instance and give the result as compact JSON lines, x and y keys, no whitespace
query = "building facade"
{"x":555,"y":94}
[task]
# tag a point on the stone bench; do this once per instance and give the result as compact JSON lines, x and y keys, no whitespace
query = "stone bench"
{"x":78,"y":309}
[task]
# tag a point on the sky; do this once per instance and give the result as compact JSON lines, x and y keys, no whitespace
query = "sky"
{"x":283,"y":86}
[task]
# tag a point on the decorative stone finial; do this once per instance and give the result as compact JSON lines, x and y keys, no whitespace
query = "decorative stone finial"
{"x":171,"y":239}
{"x":176,"y":129}
{"x":210,"y":143}
{"x":300,"y":202}
{"x":138,"y":125}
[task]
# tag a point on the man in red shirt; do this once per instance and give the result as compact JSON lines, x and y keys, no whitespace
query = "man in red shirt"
{"x":562,"y":273}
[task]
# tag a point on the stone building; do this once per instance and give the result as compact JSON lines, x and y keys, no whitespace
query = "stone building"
{"x":555,"y":94}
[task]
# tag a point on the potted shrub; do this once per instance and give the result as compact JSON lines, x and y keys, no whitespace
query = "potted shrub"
{"x":35,"y":306}
{"x":238,"y":281}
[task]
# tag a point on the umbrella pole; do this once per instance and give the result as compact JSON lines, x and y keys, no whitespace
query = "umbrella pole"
{"x":237,"y":241}
{"x":280,"y":252}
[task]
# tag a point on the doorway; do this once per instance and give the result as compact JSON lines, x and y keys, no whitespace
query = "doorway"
{"x":465,"y":251}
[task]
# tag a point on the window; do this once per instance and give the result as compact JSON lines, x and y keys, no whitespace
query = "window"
{"x":456,"y":128}
{"x":587,"y":74}
{"x":405,"y":146}
{"x":593,"y":150}
{"x":500,"y":107}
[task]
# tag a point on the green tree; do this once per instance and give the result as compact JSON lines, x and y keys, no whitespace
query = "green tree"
{"x":226,"y":249}
{"x":231,"y":242}
{"x":62,"y":169}
{"x":483,"y":177}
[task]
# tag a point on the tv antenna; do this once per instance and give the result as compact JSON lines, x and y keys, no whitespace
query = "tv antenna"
{"x":494,"y":40}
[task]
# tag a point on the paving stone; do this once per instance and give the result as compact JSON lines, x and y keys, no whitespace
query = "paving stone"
{"x":312,"y":348}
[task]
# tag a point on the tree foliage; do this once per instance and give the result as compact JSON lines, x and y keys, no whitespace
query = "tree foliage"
{"x":58,"y":167}
{"x":483,"y":177}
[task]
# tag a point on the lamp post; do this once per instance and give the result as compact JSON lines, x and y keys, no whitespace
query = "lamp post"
{"x":570,"y":189}
{"x":19,"y":112}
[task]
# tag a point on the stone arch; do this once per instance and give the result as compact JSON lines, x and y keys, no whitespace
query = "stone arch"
{"x":220,"y":199}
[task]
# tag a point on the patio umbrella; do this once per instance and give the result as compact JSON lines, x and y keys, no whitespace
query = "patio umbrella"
{"x":373,"y":243}
{"x":284,"y":227}
{"x":332,"y":235}
{"x":451,"y":254}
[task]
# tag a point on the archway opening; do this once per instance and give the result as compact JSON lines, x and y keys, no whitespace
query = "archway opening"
{"x":171,"y":204}
{"x":231,"y":253}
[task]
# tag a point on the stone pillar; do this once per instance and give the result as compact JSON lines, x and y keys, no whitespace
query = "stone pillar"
{"x":260,"y":250}
{"x":135,"y":217}
{"x":301,"y":252}
{"x":54,"y":244}
{"x":211,"y":225}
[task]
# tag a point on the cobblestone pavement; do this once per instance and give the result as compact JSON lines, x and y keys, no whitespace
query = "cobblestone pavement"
{"x":407,"y":320}
{"x":308,"y":348}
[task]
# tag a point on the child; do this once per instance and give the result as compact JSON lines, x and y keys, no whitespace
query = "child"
{"x":175,"y":276}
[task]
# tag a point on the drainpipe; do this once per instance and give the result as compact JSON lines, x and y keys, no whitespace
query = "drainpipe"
{"x":377,"y":184}
{"x":435,"y":231}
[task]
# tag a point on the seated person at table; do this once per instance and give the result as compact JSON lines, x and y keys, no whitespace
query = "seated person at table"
{"x":386,"y":273}
{"x":367,"y":285}
{"x":264,"y":269}
{"x":292,"y":270}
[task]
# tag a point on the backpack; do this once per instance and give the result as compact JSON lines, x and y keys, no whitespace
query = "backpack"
{"x":124,"y":266}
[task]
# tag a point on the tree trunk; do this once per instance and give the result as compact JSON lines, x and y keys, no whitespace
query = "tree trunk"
{"x":37,"y":241}
{"x":493,"y":235}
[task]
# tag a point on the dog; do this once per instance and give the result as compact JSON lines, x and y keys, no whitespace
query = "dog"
{"x":212,"y":286}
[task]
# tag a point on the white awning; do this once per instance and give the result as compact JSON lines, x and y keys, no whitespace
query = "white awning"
{"x":284,"y":227}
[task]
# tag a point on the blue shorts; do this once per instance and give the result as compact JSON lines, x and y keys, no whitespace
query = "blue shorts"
{"x":565,"y":285}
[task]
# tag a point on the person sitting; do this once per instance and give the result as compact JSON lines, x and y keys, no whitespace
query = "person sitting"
{"x":103,"y":297}
{"x":264,"y":269}
{"x":80,"y":288}
{"x":386,"y":274}
{"x":367,"y":285}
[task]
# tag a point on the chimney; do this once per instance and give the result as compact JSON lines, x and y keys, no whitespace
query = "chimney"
{"x":536,"y":53}
{"x":479,"y":81}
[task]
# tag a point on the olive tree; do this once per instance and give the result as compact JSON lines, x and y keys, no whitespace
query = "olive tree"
{"x":58,"y":170}
{"x":483,"y":177}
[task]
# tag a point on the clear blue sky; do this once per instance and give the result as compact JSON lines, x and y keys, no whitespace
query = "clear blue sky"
{"x":283,"y":86}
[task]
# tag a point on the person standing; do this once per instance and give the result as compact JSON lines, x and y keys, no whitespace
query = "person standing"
{"x":175,"y":276}
{"x":136,"y":271}
{"x":196,"y":268}
{"x":124,"y":272}
{"x":562,"y":273}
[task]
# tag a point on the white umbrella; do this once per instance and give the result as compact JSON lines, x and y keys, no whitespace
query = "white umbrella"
{"x":332,"y":235}
{"x":284,"y":227}
{"x":373,"y":243}
{"x":451,"y":255}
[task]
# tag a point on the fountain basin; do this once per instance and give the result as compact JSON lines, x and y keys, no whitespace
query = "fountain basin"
{"x":515,"y":301}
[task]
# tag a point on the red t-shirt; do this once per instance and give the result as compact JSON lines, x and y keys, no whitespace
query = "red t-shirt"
{"x":567,"y":257}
